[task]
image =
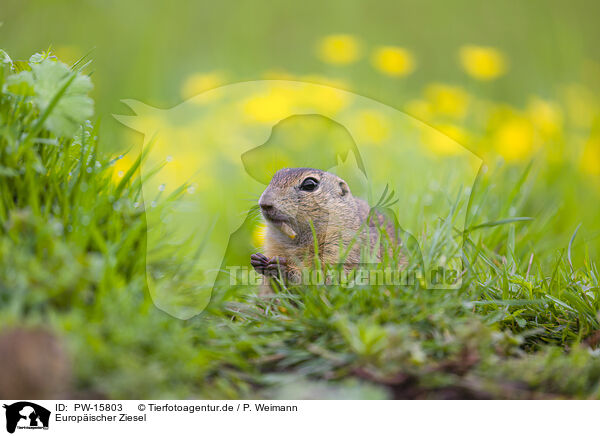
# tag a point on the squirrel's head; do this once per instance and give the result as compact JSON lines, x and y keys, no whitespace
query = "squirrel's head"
{"x":297,"y":197}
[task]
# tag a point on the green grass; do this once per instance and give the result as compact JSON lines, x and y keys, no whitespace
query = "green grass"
{"x":72,"y":247}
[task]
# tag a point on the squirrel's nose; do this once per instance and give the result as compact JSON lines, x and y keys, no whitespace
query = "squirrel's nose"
{"x":265,"y":206}
{"x":265,"y":202}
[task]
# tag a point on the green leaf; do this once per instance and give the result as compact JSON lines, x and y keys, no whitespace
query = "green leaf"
{"x":73,"y":108}
{"x":6,"y":66}
{"x":8,"y":172}
{"x":37,"y":58}
{"x":5,"y":58}
{"x":20,"y":83}
{"x":499,"y":223}
{"x":571,"y":246}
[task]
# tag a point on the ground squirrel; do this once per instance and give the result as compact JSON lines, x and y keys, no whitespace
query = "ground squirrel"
{"x":297,"y":197}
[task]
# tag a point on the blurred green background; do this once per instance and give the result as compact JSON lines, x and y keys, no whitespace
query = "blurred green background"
{"x":146,"y":51}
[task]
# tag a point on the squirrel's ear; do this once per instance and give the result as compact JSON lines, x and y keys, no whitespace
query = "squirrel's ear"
{"x":344,"y":189}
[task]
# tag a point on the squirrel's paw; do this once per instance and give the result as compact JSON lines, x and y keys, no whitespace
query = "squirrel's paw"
{"x":268,"y":266}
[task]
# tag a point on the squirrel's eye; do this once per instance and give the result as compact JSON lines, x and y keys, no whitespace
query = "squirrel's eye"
{"x":309,"y":184}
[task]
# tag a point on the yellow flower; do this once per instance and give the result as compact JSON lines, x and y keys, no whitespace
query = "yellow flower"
{"x":372,"y":127}
{"x":339,"y":49}
{"x":590,"y":159}
{"x":483,"y":63}
{"x":445,"y":139}
{"x":258,"y":235}
{"x":326,"y":100}
{"x":393,"y":61}
{"x":182,"y":168}
{"x":121,"y":165}
{"x":447,"y":100}
{"x":545,"y":115}
{"x":281,"y":100}
{"x":199,"y":83}
{"x":514,"y":139}
{"x":454,"y":132}
{"x":268,"y":107}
